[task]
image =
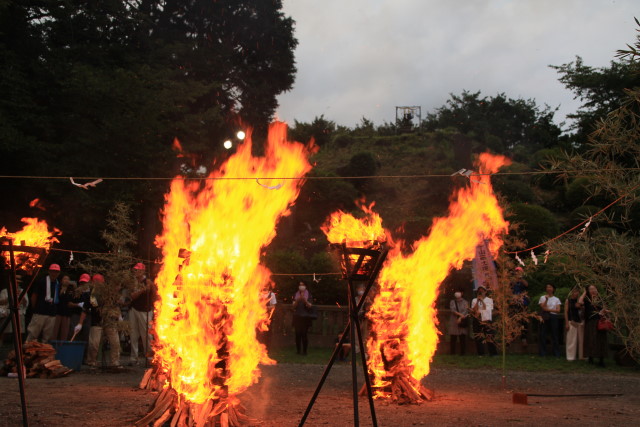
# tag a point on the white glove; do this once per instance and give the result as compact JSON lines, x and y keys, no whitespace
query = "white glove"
{"x":78,"y":328}
{"x":81,"y":304}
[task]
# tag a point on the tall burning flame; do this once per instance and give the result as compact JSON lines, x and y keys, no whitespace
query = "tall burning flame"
{"x":210,"y":281}
{"x":35,"y":233}
{"x":404,"y":333}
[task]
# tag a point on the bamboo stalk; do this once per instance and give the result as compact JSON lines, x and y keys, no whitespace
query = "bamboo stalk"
{"x":219,"y":408}
{"x":164,"y":401}
{"x":203,"y":412}
{"x":224,"y":419}
{"x":177,"y":415}
{"x":233,"y":417}
{"x":163,"y":418}
{"x":182,"y":421}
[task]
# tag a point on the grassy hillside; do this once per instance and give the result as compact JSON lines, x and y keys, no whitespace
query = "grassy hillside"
{"x":408,"y":202}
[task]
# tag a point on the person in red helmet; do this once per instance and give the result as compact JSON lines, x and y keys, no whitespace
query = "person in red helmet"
{"x":63,"y":315}
{"x":140,"y":312}
{"x":44,"y":301}
{"x":80,"y":323}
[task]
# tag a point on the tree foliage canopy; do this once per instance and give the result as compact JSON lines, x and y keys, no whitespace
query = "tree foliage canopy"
{"x":601,"y":90}
{"x":103,"y":88}
{"x":608,"y":257}
{"x":501,"y":123}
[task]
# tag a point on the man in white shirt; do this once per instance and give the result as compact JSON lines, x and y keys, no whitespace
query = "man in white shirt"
{"x":550,"y":313}
{"x":482,"y":309}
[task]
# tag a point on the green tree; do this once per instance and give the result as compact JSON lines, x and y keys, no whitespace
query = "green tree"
{"x":600,"y":89}
{"x":103,"y":88}
{"x":608,"y":257}
{"x":536,"y":224}
{"x":364,"y":128}
{"x":320,"y":129}
{"x":114,"y":265}
{"x":501,"y":124}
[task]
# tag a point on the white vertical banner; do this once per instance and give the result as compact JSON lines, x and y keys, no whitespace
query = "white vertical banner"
{"x":484,"y":269}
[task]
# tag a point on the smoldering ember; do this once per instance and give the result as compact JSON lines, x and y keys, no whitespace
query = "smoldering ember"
{"x":174,"y":254}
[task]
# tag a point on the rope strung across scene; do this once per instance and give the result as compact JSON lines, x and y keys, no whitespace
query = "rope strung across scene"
{"x":556,"y":172}
{"x":635,"y":187}
{"x":205,"y":178}
{"x":158,"y":262}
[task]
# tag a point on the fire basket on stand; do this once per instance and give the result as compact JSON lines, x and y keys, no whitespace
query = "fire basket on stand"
{"x":403,"y":335}
{"x":359,"y":264}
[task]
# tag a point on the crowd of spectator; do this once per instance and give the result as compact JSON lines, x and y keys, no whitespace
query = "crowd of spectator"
{"x":89,"y":310}
{"x":583,"y":314}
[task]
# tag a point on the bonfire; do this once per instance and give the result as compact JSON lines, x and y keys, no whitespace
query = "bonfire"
{"x":206,"y":350}
{"x":403,"y":318}
{"x":34,"y":234}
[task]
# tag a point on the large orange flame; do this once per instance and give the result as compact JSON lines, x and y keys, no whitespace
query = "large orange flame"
{"x":343,"y":227}
{"x":210,"y":305}
{"x":35,"y":233}
{"x":404,"y":333}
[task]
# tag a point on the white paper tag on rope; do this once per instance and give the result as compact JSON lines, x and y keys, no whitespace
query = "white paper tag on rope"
{"x":87,"y":185}
{"x":275,"y":187}
{"x":584,"y":229}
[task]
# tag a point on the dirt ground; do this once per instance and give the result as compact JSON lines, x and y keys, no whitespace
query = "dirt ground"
{"x":462,"y":397}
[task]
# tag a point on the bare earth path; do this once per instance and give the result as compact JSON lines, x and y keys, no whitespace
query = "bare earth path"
{"x":463,"y":397}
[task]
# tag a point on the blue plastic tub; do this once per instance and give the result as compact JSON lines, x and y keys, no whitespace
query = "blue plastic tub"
{"x":70,"y":353}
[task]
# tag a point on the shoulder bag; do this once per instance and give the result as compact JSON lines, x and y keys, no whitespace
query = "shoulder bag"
{"x":605,"y":324}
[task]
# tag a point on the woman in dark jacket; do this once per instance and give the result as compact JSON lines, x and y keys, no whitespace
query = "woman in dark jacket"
{"x":301,"y":317}
{"x":595,"y":340}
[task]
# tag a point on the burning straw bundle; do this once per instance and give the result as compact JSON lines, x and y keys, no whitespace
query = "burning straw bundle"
{"x":214,"y":234}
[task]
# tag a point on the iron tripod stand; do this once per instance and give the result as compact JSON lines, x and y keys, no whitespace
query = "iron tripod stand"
{"x":15,"y":299}
{"x":358,"y":264}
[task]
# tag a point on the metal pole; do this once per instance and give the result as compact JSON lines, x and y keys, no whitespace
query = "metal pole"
{"x":371,"y":279}
{"x":367,"y":380}
{"x":17,"y":338}
{"x":325,"y":374}
{"x":353,"y":314}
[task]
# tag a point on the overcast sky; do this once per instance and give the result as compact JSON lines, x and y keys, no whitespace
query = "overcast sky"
{"x":360,"y":58}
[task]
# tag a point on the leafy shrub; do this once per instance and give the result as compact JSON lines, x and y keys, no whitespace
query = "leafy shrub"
{"x":577,"y":193}
{"x":536,"y":223}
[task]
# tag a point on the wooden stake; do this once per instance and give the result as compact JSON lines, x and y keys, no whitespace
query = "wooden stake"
{"x":145,"y":378}
{"x":177,"y":415}
{"x":163,"y":418}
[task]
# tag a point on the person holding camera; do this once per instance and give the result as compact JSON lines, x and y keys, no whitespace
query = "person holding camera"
{"x":482,"y":310}
{"x":303,"y":315}
{"x":458,"y":322}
